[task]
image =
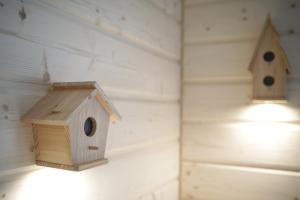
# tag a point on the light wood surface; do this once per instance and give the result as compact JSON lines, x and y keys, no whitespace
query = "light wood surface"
{"x":124,"y":173}
{"x":52,"y":144}
{"x":223,"y":21}
{"x":80,"y":142}
{"x":95,"y":53}
{"x":218,"y":182}
{"x":58,"y":121}
{"x":237,"y":55}
{"x":243,"y":144}
{"x":232,"y":148}
{"x":98,"y":94}
{"x":64,"y":99}
{"x":56,"y":106}
{"x":80,"y":167}
{"x":132,"y":51}
{"x":277,"y":68}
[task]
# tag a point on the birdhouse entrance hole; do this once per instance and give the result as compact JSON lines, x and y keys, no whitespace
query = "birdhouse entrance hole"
{"x":269,"y":56}
{"x":90,"y":126}
{"x":268,"y":81}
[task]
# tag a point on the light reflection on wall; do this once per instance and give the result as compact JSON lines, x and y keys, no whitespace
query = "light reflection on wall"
{"x":49,"y":184}
{"x":267,"y":127}
{"x":265,"y":135}
{"x":269,"y":113}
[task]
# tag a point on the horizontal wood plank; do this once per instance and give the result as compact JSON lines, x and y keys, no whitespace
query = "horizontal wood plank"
{"x":155,"y":121}
{"x":81,"y":25}
{"x":231,"y":59}
{"x":131,"y":175}
{"x":238,"y":19}
{"x":214,"y":101}
{"x":272,"y":145}
{"x":232,"y":148}
{"x":218,"y":60}
{"x":213,"y":182}
{"x":134,"y":20}
{"x":156,"y":78}
{"x":132,"y":49}
{"x":232,"y":101}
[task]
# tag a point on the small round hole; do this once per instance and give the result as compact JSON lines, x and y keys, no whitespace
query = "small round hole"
{"x":90,"y":126}
{"x":269,"y":56}
{"x":268,"y":81}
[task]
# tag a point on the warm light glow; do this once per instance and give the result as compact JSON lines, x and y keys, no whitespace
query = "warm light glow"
{"x":269,"y":113}
{"x":49,"y":184}
{"x":265,"y":135}
{"x":267,"y":128}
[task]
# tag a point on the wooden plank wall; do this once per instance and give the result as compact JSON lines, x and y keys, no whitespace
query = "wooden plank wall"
{"x":132,"y":49}
{"x":233,"y":149}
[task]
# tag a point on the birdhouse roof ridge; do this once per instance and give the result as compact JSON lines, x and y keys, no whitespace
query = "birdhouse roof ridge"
{"x":269,"y":30}
{"x":64,"y":99}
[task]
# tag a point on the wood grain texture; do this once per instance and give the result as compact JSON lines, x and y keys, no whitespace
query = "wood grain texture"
{"x":133,"y":21}
{"x":243,"y":144}
{"x":200,"y":60}
{"x":99,"y":94}
{"x":52,"y":144}
{"x":231,"y":20}
{"x":224,"y":101}
{"x":235,"y":56}
{"x":57,"y":106}
{"x":132,"y":131}
{"x":131,"y":48}
{"x":232,"y":147}
{"x":79,"y":141}
{"x":129,"y":174}
{"x":275,"y":68}
{"x":143,"y":122}
{"x":64,"y":98}
{"x":218,"y":182}
{"x":79,"y":167}
{"x":118,"y":20}
{"x":215,"y":101}
{"x":157,"y":78}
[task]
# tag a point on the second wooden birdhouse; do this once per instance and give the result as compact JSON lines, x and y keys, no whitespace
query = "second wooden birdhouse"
{"x":269,"y":66}
{"x":70,"y":126}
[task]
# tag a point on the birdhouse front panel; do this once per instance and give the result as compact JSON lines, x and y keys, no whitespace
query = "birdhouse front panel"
{"x":269,"y":80}
{"x":269,"y":66}
{"x":88,"y":127}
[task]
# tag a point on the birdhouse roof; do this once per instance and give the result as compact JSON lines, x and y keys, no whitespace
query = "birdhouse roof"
{"x":269,"y":40}
{"x":66,"y":97}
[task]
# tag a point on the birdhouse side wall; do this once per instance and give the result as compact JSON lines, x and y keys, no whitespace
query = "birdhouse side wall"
{"x":52,"y":144}
{"x":89,"y":148}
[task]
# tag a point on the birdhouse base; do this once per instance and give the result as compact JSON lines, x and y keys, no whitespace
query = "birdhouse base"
{"x":80,"y":167}
{"x":266,"y":100}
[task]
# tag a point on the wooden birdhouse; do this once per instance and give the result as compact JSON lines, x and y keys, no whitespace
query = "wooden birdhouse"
{"x":269,"y":66}
{"x":70,"y":126}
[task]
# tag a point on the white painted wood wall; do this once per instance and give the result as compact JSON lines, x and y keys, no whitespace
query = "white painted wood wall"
{"x":132,"y":49}
{"x":232,"y":149}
